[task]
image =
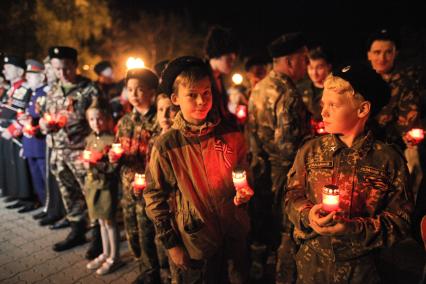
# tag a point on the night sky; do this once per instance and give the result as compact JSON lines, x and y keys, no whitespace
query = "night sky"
{"x":341,"y":26}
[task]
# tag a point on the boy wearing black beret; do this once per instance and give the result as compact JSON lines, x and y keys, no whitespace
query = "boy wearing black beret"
{"x":347,"y":193}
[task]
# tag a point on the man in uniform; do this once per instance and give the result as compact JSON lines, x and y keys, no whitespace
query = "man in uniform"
{"x":69,"y":99}
{"x":277,"y":124}
{"x":402,"y":113}
{"x":16,"y":180}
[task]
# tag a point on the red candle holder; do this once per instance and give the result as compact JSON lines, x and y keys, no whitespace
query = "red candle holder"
{"x":239,"y":177}
{"x":416,"y":134}
{"x":87,"y":156}
{"x":29,"y":129}
{"x":117,"y":149}
{"x":61,"y":120}
{"x":241,"y":113}
{"x":139,"y":183}
{"x":330,"y":198}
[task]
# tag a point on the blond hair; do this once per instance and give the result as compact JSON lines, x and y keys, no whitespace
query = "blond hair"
{"x":342,"y":87}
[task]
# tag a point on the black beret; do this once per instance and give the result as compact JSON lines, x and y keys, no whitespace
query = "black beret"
{"x":365,"y":81}
{"x":384,"y":35}
{"x":101,"y":66}
{"x":286,"y":44}
{"x":145,"y":75}
{"x":175,"y":67}
{"x":63,"y":52}
{"x":18,"y":61}
{"x":220,"y":41}
{"x":159,"y":67}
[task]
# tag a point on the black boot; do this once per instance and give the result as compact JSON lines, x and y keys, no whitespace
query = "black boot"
{"x":75,"y":238}
{"x":95,"y":247}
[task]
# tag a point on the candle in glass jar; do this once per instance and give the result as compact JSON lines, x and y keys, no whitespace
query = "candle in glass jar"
{"x":116,"y":149}
{"x":417,"y":134}
{"x":49,"y":119}
{"x":139,"y":182}
{"x":241,"y":112}
{"x":330,"y":198}
{"x":239,"y":178}
{"x":87,"y":155}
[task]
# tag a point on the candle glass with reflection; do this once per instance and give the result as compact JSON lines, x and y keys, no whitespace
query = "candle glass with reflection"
{"x":417,"y":134}
{"x":239,"y":177}
{"x":139,"y":183}
{"x":330,"y":198}
{"x":87,"y":155}
{"x":117,"y":149}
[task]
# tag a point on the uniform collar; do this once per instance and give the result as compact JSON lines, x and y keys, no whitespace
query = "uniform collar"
{"x":362,"y":144}
{"x":276,"y":75}
{"x":18,"y":84}
{"x":188,"y":129}
{"x":137,"y":116}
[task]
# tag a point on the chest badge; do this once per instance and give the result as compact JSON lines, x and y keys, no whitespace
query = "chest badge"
{"x":226,"y":152}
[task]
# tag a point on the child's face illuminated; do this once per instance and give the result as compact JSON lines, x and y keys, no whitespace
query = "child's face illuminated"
{"x":165,"y":113}
{"x":139,"y":95}
{"x":339,"y":112}
{"x":195,"y":101}
{"x":96,"y":120}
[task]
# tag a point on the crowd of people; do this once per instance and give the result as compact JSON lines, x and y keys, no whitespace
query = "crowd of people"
{"x":318,"y":169}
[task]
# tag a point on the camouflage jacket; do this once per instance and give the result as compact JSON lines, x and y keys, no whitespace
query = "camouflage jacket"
{"x":311,"y":96}
{"x":403,"y":110}
{"x":374,"y":194}
{"x":74,"y":102}
{"x":134,"y":132}
{"x":190,"y":189}
{"x":277,"y":120}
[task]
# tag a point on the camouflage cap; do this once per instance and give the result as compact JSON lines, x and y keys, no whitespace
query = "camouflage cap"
{"x":286,"y":44}
{"x":365,"y":81}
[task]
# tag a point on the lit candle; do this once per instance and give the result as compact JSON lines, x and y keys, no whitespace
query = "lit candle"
{"x":49,"y":119}
{"x":417,"y":134}
{"x":239,"y":178}
{"x":321,"y":128}
{"x":241,"y":112}
{"x":330,"y":198}
{"x":139,"y":183}
{"x":117,"y":149}
{"x":29,"y":129}
{"x":87,"y":155}
{"x":62,"y":120}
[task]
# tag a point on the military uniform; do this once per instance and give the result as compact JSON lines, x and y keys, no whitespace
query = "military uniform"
{"x":15,"y":175}
{"x":68,"y":142}
{"x":402,"y":113}
{"x":35,"y":147}
{"x":190,"y":198}
{"x":134,"y":132}
{"x":372,"y":178}
{"x":100,"y":185}
{"x":311,"y":96}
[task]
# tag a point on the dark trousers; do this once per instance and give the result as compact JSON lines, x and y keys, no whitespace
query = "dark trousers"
{"x":38,"y":175}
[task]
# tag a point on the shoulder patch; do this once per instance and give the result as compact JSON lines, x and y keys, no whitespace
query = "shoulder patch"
{"x":373,"y":171}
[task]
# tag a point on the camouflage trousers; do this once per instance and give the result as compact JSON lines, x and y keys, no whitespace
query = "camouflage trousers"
{"x":139,"y":228}
{"x":313,"y":268}
{"x":285,"y":266}
{"x":67,"y":167}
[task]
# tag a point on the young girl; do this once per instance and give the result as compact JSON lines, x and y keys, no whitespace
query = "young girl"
{"x":100,"y":188}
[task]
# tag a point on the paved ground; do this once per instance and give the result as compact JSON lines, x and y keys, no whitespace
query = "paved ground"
{"x":26,"y":257}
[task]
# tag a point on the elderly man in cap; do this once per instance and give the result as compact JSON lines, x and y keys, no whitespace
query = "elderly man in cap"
{"x":277,"y":125}
{"x":67,"y":102}
{"x":16,"y":181}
